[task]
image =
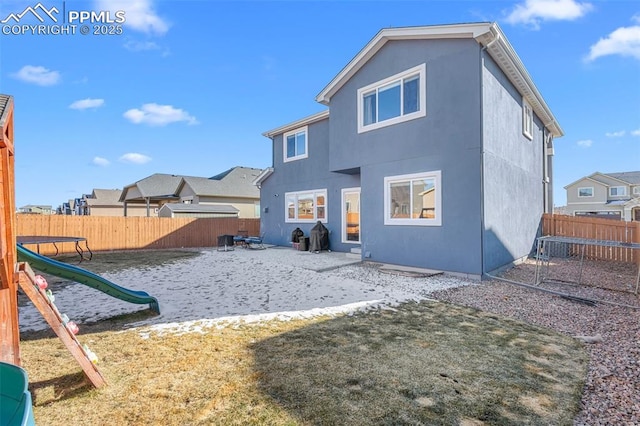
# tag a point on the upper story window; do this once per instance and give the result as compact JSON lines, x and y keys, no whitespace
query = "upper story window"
{"x":636,"y":190}
{"x":306,"y":206}
{"x":527,"y":119}
{"x":295,"y":144}
{"x":399,"y":98}
{"x":617,"y":191}
{"x":585,"y":192}
{"x":413,"y":199}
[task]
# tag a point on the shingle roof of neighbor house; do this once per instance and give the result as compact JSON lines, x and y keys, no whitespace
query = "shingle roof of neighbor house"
{"x":4,"y":101}
{"x":235,"y":182}
{"x":105,"y":197}
{"x":487,"y":34}
{"x":632,"y":178}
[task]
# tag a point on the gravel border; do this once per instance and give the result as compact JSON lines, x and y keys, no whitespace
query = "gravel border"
{"x":611,"y":333}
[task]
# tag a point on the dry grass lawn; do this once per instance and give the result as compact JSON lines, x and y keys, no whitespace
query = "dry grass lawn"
{"x":422,"y":363}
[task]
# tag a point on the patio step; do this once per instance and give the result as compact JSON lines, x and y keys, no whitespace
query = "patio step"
{"x":355,"y":253}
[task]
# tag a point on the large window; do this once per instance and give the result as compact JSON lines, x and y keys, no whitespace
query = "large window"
{"x":295,"y":144}
{"x":527,"y":119}
{"x":413,"y":199}
{"x":393,"y":100}
{"x":585,"y":192}
{"x":306,"y":206}
{"x":617,"y":191}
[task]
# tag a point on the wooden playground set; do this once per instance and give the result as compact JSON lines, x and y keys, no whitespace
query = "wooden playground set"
{"x":15,"y":399}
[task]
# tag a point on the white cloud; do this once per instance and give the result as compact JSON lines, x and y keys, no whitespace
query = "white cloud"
{"x":99,"y":161}
{"x":139,"y":46}
{"x":87,"y":103}
{"x":615,"y":134}
{"x":624,"y":41}
{"x":140,"y":15}
{"x":533,"y":12}
{"x":635,"y":132}
{"x":158,"y":115}
{"x":135,"y":158}
{"x":585,"y":143}
{"x":37,"y":75}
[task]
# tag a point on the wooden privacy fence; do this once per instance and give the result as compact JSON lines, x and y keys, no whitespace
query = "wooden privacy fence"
{"x":596,"y":229}
{"x":130,"y":233}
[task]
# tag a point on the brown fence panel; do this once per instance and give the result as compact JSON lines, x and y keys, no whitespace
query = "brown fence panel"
{"x":596,"y":229}
{"x":130,"y":233}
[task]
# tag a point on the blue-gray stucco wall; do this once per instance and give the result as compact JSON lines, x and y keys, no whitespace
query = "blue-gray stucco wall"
{"x":302,"y":175}
{"x":512,"y":171}
{"x":446,"y":140}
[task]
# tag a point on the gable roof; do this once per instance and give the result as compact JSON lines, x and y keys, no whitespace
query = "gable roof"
{"x":632,"y":178}
{"x":314,"y":118}
{"x":158,"y":185}
{"x":489,"y":35}
{"x":104,"y":197}
{"x":235,"y":182}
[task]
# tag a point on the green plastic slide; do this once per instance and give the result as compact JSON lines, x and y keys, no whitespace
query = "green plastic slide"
{"x":15,"y":398}
{"x":82,"y":276}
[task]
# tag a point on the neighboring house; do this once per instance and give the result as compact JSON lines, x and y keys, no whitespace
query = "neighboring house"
{"x":197,"y":210}
{"x":608,"y":195}
{"x":106,"y":202}
{"x":233,"y":188}
{"x":36,"y":209}
{"x":435,"y":152}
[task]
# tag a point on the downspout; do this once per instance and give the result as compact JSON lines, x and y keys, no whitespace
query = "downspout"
{"x":545,"y":178}
{"x":482,"y":199}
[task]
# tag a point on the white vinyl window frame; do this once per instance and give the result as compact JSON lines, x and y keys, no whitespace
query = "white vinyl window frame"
{"x":295,"y":133}
{"x":585,"y":192}
{"x":419,"y":71}
{"x":620,"y":191}
{"x":527,"y":119}
{"x":636,"y":190}
{"x":435,"y":221}
{"x":344,"y":192}
{"x":295,"y":197}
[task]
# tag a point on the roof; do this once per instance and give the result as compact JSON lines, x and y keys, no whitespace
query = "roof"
{"x":489,"y":35}
{"x":297,"y":124}
{"x":263,"y":176}
{"x":200,"y":208}
{"x":630,"y":178}
{"x":158,"y":185}
{"x":5,"y":102}
{"x":104,"y":197}
{"x":235,"y":182}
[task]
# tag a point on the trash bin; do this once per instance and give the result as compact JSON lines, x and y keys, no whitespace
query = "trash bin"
{"x":303,"y":243}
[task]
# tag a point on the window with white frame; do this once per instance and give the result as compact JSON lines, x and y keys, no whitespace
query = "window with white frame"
{"x":636,"y":190}
{"x":585,"y":192}
{"x":413,"y":199}
{"x":295,"y":144}
{"x":617,"y":191}
{"x":399,"y":98}
{"x":527,"y":119}
{"x":306,"y":206}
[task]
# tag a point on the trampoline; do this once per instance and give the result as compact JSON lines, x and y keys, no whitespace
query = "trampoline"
{"x":39,"y":239}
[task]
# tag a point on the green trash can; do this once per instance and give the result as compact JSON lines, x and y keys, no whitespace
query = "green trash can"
{"x":15,"y":398}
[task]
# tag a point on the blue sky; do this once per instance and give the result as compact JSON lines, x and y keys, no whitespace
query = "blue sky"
{"x":190,"y":86}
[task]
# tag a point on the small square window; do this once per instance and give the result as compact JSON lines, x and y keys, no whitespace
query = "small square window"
{"x":585,"y":192}
{"x":413,"y":199}
{"x":295,"y":145}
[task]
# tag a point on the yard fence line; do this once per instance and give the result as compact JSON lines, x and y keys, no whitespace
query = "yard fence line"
{"x":130,"y":233}
{"x":596,"y":229}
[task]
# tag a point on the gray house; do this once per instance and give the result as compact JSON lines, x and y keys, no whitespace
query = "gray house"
{"x":435,"y":152}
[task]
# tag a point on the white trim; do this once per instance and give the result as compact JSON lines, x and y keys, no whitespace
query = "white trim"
{"x":315,"y":193}
{"x":295,"y":132}
{"x":590,"y":202}
{"x":421,"y":72}
{"x":262,"y":177}
{"x":624,"y":194}
{"x":344,"y":214}
{"x":585,"y":196}
{"x":437,"y":221}
{"x":297,"y":124}
{"x":527,"y":119}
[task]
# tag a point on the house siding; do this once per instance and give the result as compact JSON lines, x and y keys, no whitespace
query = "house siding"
{"x":512,"y":172}
{"x":446,"y":140}
{"x":300,"y":175}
